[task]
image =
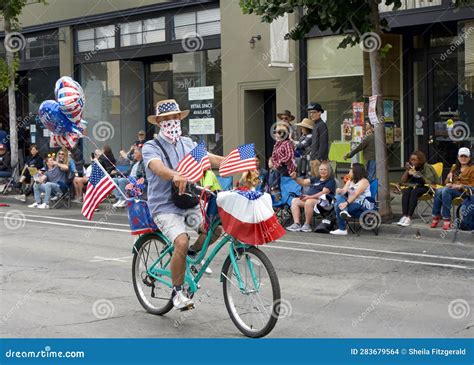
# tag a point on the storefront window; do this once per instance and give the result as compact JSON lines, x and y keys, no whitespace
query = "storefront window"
{"x":203,"y":23}
{"x":336,"y":82}
{"x":94,"y":39}
{"x":197,"y":86}
{"x":114,"y":105}
{"x":142,"y":32}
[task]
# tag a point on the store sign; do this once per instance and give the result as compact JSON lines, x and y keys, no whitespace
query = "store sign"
{"x":201,"y":106}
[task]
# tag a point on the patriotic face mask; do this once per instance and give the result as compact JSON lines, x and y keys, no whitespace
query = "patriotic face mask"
{"x":171,"y":129}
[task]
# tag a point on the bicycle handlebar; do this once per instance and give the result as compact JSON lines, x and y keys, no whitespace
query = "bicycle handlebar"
{"x":200,"y":189}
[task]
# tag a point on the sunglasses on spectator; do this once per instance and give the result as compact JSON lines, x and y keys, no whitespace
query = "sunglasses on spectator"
{"x":61,"y":153}
{"x":464,"y":156}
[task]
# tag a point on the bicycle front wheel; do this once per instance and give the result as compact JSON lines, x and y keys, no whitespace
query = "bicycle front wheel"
{"x":152,"y":294}
{"x":255,"y":308}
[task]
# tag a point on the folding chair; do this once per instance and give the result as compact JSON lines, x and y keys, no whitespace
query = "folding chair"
{"x":63,"y":198}
{"x":9,"y":182}
{"x":226,"y":183}
{"x":289,"y":189}
{"x":427,"y":197}
{"x":368,"y":220}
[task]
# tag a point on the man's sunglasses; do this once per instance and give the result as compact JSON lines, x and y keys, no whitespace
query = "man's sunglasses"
{"x":464,"y":156}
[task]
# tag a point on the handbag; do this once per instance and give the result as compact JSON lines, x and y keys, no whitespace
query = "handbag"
{"x":188,"y":199}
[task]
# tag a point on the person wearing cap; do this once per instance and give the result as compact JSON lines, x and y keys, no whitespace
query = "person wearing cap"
{"x":367,"y":146}
{"x":140,"y":141}
{"x":5,"y":162}
{"x":303,"y":146}
{"x":160,"y":175}
{"x":461,"y":175}
{"x":286,"y":116}
{"x":320,"y":139}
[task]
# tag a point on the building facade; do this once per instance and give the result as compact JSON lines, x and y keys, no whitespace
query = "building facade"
{"x":235,"y":73}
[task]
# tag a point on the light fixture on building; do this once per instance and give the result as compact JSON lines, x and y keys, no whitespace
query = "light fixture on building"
{"x":252,"y":40}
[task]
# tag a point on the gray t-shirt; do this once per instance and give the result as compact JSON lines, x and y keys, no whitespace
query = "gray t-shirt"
{"x":159,"y":190}
{"x":55,"y":174}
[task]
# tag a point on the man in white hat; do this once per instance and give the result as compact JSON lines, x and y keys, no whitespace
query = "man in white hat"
{"x":168,"y":217}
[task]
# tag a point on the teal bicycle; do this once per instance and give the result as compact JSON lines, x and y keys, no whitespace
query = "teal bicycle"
{"x":250,"y":284}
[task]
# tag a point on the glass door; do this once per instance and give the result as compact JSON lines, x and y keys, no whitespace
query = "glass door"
{"x":160,"y":86}
{"x":444,"y":114}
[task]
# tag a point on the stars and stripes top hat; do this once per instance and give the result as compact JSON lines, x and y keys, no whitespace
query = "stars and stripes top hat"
{"x":166,"y":107}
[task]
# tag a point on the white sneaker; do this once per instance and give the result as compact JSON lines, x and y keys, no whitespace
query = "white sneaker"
{"x":306,"y":228}
{"x":43,"y":206}
{"x":198,"y":268}
{"x":401,"y":221}
{"x":345,"y":214}
{"x":120,"y":204}
{"x":34,"y":205}
{"x":339,"y":232}
{"x":181,"y":301}
{"x":295,"y":227}
{"x":406,"y":222}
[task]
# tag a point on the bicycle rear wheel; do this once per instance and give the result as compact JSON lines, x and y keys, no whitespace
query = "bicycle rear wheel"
{"x":255,"y":309}
{"x":153,"y":295}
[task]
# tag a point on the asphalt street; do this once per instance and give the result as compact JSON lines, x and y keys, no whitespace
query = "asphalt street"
{"x":63,"y":276}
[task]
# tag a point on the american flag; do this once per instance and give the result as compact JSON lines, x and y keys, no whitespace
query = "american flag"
{"x":193,"y":165}
{"x":100,"y":185}
{"x":240,"y":159}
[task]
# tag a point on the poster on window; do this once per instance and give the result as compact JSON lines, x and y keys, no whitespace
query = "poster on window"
{"x":388,"y":110}
{"x":358,"y":113}
{"x":201,"y":110}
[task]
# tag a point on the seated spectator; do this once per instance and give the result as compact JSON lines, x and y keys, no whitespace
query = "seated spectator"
{"x":461,"y":175}
{"x":49,"y":182}
{"x":418,"y":174}
{"x":318,"y":187}
{"x":351,"y":199}
{"x":5,"y":162}
{"x":137,"y":172}
{"x":33,"y":163}
{"x":80,"y":181}
{"x":107,"y":160}
{"x":140,"y":141}
{"x":123,"y":159}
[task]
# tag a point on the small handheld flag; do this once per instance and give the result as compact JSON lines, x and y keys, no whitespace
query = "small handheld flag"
{"x":193,"y":165}
{"x":240,"y":159}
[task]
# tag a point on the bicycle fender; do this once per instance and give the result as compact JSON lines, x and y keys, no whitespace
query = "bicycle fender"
{"x":145,"y":237}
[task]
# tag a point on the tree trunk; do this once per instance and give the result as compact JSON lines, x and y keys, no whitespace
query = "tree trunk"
{"x":11,"y":101}
{"x":385,"y":209}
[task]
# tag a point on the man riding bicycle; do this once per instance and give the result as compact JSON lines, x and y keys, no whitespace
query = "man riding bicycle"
{"x":161,"y":157}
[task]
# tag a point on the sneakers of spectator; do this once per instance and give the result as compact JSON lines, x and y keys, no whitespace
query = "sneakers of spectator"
{"x":43,"y":206}
{"x":306,"y":228}
{"x":339,"y":232}
{"x":76,"y":200}
{"x":120,"y":204}
{"x":345,"y":214}
{"x":406,"y":222}
{"x":34,"y":205}
{"x":54,"y":198}
{"x":295,"y":227}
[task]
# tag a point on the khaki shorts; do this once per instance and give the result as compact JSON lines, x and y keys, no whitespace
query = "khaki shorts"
{"x":172,"y":225}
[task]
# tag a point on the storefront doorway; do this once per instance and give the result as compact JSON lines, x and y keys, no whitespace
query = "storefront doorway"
{"x":442,"y":110}
{"x":160,"y":88}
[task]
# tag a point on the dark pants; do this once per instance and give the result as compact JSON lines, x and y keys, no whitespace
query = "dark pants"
{"x":410,"y":199}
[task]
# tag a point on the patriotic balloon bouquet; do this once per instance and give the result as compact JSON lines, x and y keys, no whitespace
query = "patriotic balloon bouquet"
{"x":63,"y":116}
{"x":247,"y":214}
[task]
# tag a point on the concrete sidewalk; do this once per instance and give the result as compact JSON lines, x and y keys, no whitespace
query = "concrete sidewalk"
{"x":418,"y":229}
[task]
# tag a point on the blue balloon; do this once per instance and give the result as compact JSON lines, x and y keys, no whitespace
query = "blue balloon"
{"x":54,"y":119}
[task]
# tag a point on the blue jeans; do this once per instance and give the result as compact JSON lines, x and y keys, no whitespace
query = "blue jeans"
{"x":354,"y":209}
{"x":5,"y":174}
{"x":443,"y":200}
{"x":121,"y":183}
{"x":48,"y":189}
{"x":371,"y":166}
